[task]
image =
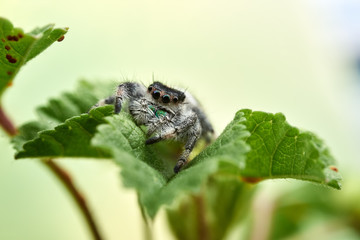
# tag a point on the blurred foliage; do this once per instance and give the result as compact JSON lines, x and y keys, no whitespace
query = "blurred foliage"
{"x":17,"y":47}
{"x":221,"y":205}
{"x":311,"y":211}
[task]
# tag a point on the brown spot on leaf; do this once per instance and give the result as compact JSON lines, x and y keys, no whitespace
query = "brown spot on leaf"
{"x":12,"y":38}
{"x":7,"y":47}
{"x":335,"y":169}
{"x":10,"y":58}
{"x":20,"y":35}
{"x":251,"y":179}
{"x":9,"y":84}
{"x":3,"y":40}
{"x":61,"y":38}
{"x":9,"y":73}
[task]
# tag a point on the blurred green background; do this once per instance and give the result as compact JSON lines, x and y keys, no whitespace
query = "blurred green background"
{"x":296,"y":57}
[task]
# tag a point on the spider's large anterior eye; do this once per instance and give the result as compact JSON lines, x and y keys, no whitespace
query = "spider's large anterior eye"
{"x":150,"y":88}
{"x":166,"y":99}
{"x":175,"y":100}
{"x":156,"y":94}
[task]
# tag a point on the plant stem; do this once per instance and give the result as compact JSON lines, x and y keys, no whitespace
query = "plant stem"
{"x":6,"y":124}
{"x":66,"y":180}
{"x":203,"y":231}
{"x":146,"y":224}
{"x":62,"y":175}
{"x":264,"y":207}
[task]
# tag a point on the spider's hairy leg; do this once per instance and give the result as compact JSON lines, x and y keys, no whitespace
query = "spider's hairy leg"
{"x":117,"y":105}
{"x":189,"y":128}
{"x":103,"y":102}
{"x":169,"y":133}
{"x":154,"y":126}
{"x":192,"y":128}
{"x":189,"y":146}
{"x":126,"y":91}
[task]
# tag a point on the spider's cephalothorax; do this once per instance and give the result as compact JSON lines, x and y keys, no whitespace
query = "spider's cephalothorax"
{"x":167,"y":112}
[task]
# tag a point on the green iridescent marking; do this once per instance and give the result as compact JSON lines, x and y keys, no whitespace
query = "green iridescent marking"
{"x":160,"y":113}
{"x":157,"y":112}
{"x":152,"y":108}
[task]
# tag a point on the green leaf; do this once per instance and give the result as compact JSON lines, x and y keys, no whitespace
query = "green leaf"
{"x":17,"y":48}
{"x":70,"y":139}
{"x":57,"y":111}
{"x":279,"y":150}
{"x":254,"y":146}
{"x":27,"y":132}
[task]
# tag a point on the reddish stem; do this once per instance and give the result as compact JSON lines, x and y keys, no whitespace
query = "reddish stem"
{"x":203,"y":231}
{"x":6,"y":124}
{"x":67,"y":181}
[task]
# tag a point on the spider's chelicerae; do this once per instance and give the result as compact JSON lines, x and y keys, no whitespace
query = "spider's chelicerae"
{"x":168,"y":113}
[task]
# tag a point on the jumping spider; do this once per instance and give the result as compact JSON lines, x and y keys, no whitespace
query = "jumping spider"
{"x":168,"y":113}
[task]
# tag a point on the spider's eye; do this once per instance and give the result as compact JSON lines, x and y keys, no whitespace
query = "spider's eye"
{"x":150,"y":88}
{"x":175,"y":99}
{"x":166,"y":99}
{"x":156,"y":94}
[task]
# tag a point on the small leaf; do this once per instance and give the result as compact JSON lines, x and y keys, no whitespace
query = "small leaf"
{"x":17,"y":48}
{"x":27,"y":132}
{"x":70,"y":139}
{"x":59,"y":109}
{"x":279,"y":150}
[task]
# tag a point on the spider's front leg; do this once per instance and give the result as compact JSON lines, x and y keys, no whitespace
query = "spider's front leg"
{"x":189,"y":146}
{"x":125,"y":91}
{"x":103,"y":102}
{"x":166,"y":133}
{"x":188,"y":128}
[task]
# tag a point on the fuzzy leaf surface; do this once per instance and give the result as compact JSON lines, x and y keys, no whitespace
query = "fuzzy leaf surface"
{"x":17,"y":47}
{"x":279,"y":150}
{"x":69,"y":139}
{"x":57,"y":111}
